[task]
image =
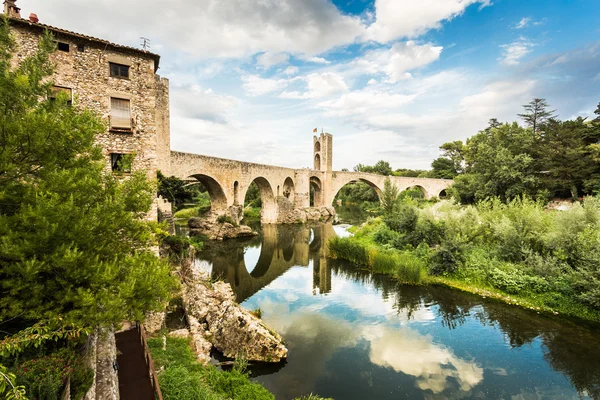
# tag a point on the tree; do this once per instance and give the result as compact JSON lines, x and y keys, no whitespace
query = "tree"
{"x":498,"y":163}
{"x":452,"y":161}
{"x":567,"y":159}
{"x":74,"y":242}
{"x":389,"y":199}
{"x":536,"y":113}
{"x":597,"y":112}
{"x":175,"y":190}
{"x":381,"y":167}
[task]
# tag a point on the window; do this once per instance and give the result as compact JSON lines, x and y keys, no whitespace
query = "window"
{"x":119,"y":70}
{"x":120,"y":162}
{"x":80,"y":48}
{"x":63,"y":92}
{"x":63,"y":46}
{"x":120,"y":114}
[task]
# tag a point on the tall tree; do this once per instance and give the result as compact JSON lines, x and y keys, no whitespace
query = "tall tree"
{"x":537,"y":113}
{"x":389,"y":199}
{"x":74,"y":242}
{"x":597,"y":112}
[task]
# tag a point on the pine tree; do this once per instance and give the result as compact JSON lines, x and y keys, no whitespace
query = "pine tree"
{"x":536,"y":114}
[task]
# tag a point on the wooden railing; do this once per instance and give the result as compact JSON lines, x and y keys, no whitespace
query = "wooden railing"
{"x":149,"y":363}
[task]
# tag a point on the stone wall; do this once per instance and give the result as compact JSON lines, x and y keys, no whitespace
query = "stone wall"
{"x":101,"y":354}
{"x":85,"y":70}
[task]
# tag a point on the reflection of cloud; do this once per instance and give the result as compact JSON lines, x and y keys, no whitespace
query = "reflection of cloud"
{"x":414,"y":354}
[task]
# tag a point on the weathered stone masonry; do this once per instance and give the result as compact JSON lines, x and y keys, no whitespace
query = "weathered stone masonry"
{"x":82,"y":68}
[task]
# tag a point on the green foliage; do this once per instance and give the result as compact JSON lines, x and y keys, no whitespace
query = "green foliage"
{"x":389,"y":199}
{"x":82,"y":380}
{"x":405,"y":266}
{"x":312,"y":397}
{"x":182,"y":377}
{"x":358,"y":193}
{"x":553,"y":158}
{"x":8,"y":387}
{"x":519,"y":248}
{"x":45,"y":377}
{"x":179,"y":383}
{"x":222,"y":219}
{"x":381,"y":167}
{"x":252,"y":213}
{"x":252,"y":198}
{"x":73,"y":239}
{"x":176,"y":191}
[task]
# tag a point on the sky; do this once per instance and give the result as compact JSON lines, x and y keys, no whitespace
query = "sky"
{"x":389,"y":79}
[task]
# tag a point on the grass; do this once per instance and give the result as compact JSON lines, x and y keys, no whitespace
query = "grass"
{"x":404,"y":266}
{"x":181,"y":377}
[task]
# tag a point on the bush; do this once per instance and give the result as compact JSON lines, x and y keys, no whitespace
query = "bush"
{"x":447,"y":259}
{"x":45,"y":377}
{"x":222,"y":219}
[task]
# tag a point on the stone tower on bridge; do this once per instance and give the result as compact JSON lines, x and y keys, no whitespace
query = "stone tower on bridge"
{"x":323,"y":152}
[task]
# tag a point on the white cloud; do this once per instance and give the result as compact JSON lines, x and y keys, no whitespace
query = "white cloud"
{"x":269,"y":59}
{"x":254,"y":85}
{"x":197,"y":103}
{"x":209,"y":28}
{"x":291,"y":70}
{"x":397,"y":19}
{"x":372,"y":81}
{"x":523,"y":23}
{"x":513,"y":52}
{"x":319,"y":85}
{"x":392,"y":349}
{"x":398,"y":60}
{"x":362,"y":101}
{"x":496,"y":97}
{"x":315,"y":60}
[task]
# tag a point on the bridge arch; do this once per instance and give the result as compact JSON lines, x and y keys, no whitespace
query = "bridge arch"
{"x":289,"y":189}
{"x":443,"y":194}
{"x":419,"y":188}
{"x":218,"y":199}
{"x":268,"y":213}
{"x":371,"y":184}
{"x":316,"y":192}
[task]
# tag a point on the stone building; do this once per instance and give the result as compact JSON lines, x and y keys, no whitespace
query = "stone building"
{"x":118,"y":82}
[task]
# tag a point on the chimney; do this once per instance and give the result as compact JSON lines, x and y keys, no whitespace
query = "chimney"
{"x":11,"y":10}
{"x":34,"y":18}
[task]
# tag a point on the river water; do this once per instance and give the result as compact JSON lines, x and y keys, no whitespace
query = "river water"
{"x":353,"y":335}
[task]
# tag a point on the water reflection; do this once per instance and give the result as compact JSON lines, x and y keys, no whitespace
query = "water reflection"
{"x":352,"y":335}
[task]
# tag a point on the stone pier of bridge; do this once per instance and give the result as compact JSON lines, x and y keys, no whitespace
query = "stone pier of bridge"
{"x":285,"y":191}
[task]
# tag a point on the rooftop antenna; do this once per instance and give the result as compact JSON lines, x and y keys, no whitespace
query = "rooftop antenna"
{"x":146,"y":43}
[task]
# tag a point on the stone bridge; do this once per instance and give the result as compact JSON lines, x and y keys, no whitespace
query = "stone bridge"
{"x":227,"y":181}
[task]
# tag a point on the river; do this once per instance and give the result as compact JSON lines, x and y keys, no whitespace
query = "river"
{"x":354,"y":335}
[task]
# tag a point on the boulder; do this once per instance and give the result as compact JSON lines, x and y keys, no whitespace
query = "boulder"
{"x":213,"y":314}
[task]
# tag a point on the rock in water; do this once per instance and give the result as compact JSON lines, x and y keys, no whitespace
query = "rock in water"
{"x":231,"y":329}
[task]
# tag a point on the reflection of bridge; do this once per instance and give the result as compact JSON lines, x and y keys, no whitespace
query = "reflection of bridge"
{"x":283,"y":246}
{"x":227,"y":181}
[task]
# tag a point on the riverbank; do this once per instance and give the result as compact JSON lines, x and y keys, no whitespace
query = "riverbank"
{"x":519,"y":253}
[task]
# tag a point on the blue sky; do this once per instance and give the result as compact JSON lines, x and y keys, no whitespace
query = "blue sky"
{"x":390,"y":79}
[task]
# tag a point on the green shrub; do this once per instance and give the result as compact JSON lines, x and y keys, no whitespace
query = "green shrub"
{"x":45,"y":377}
{"x":447,"y":259}
{"x":222,"y":219}
{"x":252,"y":212}
{"x":82,"y":380}
{"x":312,"y":397}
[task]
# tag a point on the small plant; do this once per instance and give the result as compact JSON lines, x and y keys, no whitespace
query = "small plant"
{"x":257,"y":313}
{"x":222,"y":219}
